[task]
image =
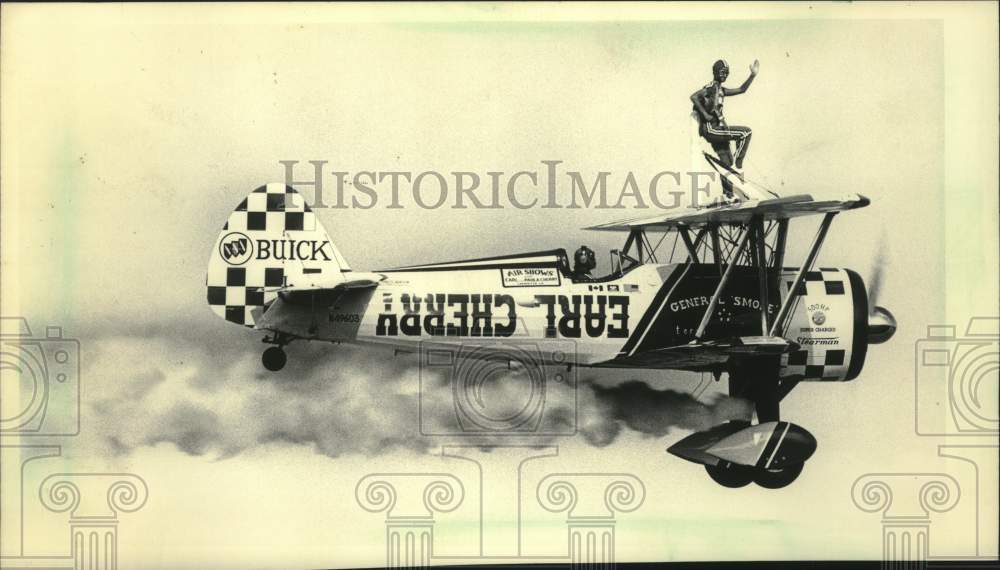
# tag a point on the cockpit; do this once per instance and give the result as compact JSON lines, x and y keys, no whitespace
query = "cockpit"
{"x":583,"y":268}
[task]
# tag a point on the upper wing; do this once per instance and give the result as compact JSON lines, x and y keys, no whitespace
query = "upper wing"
{"x":740,"y":213}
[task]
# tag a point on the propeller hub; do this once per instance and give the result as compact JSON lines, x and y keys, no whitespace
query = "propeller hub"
{"x":881,"y":325}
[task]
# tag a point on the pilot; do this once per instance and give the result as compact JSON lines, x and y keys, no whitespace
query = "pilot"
{"x":584,"y":261}
{"x":711,"y":123}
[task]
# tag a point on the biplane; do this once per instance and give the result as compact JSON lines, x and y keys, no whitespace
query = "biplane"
{"x":721,"y":301}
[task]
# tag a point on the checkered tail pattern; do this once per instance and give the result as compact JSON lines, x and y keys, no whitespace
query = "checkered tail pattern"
{"x":270,"y":240}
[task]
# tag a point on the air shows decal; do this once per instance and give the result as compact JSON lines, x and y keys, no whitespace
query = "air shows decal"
{"x":530,"y":277}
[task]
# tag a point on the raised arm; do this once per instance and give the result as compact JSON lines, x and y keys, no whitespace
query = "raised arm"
{"x":746,"y":84}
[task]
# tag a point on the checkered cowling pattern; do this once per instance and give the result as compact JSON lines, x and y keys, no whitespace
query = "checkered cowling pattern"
{"x":826,"y":281}
{"x":816,"y":361}
{"x":824,"y":364}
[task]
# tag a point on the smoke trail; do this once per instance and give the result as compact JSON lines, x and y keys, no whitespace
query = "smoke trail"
{"x":163,"y":386}
{"x":644,"y":409}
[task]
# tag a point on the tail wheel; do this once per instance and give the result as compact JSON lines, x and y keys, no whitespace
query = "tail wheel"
{"x":274,"y":358}
{"x":730,"y":475}
{"x":777,"y":478}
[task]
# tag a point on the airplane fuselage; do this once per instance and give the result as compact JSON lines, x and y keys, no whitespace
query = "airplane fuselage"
{"x":622,"y":322}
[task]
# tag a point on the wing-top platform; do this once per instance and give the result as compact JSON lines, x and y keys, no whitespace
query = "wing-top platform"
{"x":739,"y":213}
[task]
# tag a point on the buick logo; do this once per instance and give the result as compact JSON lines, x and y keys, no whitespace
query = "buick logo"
{"x":236,"y":248}
{"x":818,"y":318}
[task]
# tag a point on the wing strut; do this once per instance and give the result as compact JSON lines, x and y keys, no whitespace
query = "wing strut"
{"x":692,"y":251}
{"x":779,"y":245}
{"x":716,"y":247}
{"x":761,"y":256}
{"x":777,"y":329}
{"x":722,"y":285}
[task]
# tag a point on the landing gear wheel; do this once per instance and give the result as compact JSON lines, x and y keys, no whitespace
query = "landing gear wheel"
{"x":730,"y":475}
{"x":777,"y":478}
{"x":274,"y":358}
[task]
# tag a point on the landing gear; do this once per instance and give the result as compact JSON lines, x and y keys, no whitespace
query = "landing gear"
{"x":756,"y":379}
{"x":274,"y":358}
{"x":777,"y":478}
{"x":730,"y":474}
{"x":735,"y":476}
{"x":769,"y":452}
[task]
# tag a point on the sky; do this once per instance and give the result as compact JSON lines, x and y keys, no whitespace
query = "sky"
{"x":129,"y":134}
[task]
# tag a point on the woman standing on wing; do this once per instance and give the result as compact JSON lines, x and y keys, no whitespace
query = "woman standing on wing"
{"x":712,"y":125}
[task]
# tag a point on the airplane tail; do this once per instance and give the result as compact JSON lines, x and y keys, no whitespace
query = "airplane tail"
{"x":271,"y":241}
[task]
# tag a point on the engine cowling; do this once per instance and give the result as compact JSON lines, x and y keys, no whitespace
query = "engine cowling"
{"x":832,"y":325}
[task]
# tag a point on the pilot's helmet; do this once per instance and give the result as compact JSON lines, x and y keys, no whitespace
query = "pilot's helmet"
{"x":584,"y":260}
